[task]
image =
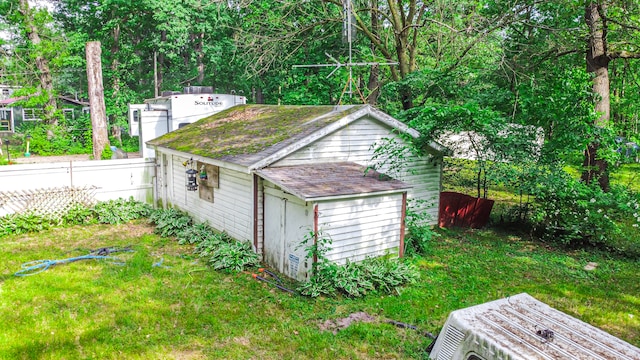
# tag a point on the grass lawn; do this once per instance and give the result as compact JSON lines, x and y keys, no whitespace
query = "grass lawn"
{"x":94,"y":309}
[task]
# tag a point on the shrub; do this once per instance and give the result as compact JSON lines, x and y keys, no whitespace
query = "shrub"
{"x":79,"y":214}
{"x":196,"y":234}
{"x":107,"y":153}
{"x":354,"y":279}
{"x":234,"y":256}
{"x":575,"y":214}
{"x":120,"y":211}
{"x":419,"y":234}
{"x":107,"y":212}
{"x":207,"y":241}
{"x":24,"y":223}
{"x":170,"y":222}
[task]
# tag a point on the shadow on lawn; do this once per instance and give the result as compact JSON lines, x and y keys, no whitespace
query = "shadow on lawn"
{"x":52,"y":346}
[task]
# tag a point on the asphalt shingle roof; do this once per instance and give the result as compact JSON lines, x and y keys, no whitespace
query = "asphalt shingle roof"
{"x":330,"y":180}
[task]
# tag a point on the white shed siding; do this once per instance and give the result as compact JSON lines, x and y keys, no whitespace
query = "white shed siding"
{"x":232,"y":207}
{"x":178,"y":194}
{"x":424,"y":175}
{"x":354,"y":143}
{"x":259,"y":212}
{"x":360,"y":228}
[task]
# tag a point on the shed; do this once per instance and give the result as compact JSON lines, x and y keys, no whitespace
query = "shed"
{"x":277,"y":175}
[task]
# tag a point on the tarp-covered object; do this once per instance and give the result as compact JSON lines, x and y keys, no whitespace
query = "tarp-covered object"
{"x":463,"y":210}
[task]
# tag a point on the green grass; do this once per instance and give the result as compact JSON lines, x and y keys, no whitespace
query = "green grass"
{"x":628,"y":175}
{"x":98,"y":310}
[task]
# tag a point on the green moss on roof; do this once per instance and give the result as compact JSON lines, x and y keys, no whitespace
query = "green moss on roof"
{"x":249,"y":129}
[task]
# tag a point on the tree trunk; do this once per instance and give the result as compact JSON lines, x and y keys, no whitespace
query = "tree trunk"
{"x":595,"y":167}
{"x":46,"y":83}
{"x":96,"y":99}
{"x":404,"y":20}
{"x":200,"y":57}
{"x":159,"y":64}
{"x":115,"y":48}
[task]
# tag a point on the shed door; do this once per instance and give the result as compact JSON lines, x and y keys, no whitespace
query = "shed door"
{"x":286,"y":221}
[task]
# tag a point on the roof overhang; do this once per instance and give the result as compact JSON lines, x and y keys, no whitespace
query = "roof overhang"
{"x":11,"y":100}
{"x":331,"y":181}
{"x":186,"y":155}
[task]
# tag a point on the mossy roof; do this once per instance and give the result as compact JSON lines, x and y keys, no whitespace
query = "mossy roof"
{"x":245,"y":134}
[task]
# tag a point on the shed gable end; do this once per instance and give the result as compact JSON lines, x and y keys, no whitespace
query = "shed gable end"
{"x":353,"y":142}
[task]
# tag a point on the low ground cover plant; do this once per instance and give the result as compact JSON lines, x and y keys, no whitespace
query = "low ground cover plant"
{"x":223,"y":253}
{"x":108,"y":212}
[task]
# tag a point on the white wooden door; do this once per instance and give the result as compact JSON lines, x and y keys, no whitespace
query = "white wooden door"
{"x":274,"y":210}
{"x":298,"y":224}
{"x":286,"y":221}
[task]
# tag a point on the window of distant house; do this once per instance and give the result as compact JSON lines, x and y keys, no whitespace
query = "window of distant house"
{"x":68,"y":114}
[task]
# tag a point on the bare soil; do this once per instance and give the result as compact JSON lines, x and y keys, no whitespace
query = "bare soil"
{"x":339,"y":324}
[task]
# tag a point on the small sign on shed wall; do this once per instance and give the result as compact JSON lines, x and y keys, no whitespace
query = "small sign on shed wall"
{"x":208,"y":183}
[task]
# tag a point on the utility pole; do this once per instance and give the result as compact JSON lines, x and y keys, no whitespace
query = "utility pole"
{"x":96,"y":98}
{"x":156,"y":91}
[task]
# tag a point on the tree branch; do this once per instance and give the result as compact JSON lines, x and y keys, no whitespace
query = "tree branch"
{"x":624,"y":55}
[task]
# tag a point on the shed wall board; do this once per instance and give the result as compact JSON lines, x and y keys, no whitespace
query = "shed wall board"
{"x":424,"y":197}
{"x":232,"y":207}
{"x":360,"y":228}
{"x":259,"y":216}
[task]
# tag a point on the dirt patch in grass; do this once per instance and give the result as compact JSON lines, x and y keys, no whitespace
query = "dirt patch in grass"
{"x":340,"y":324}
{"x":186,"y":355}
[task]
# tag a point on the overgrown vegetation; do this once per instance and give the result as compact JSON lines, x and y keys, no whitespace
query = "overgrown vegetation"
{"x":222,"y":252}
{"x":354,"y":279}
{"x":555,"y":206}
{"x":70,"y":136}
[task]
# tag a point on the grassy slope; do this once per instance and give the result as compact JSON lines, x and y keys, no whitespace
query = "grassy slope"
{"x":93,"y":309}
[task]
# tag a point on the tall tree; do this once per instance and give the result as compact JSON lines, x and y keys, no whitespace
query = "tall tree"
{"x":96,"y":99}
{"x":31,"y":22}
{"x":415,"y":35}
{"x":604,"y":19}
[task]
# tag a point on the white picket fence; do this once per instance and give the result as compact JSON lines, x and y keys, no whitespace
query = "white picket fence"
{"x":108,"y":179}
